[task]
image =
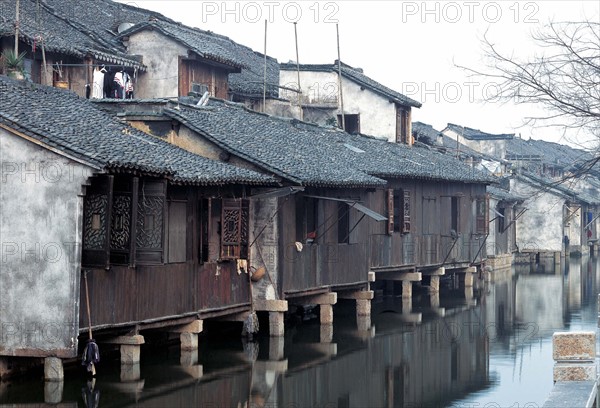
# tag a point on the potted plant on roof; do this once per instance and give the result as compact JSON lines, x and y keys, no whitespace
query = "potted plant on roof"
{"x":13,"y":64}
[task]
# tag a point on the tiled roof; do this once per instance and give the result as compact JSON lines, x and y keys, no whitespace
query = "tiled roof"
{"x":504,"y":195}
{"x":60,"y":33}
{"x":63,"y":121}
{"x":314,"y":155}
{"x":558,"y":187}
{"x":359,"y":77}
{"x":427,"y":134}
{"x":202,"y":43}
{"x":544,"y":152}
{"x":476,"y":134}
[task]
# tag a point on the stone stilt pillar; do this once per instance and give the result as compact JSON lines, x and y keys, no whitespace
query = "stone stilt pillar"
{"x":130,"y":348}
{"x":326,"y":314}
{"x":53,"y":369}
{"x":188,"y":334}
{"x":406,"y":289}
{"x":434,"y":286}
{"x":326,"y":333}
{"x":276,"y":324}
{"x":574,"y":354}
{"x":276,"y":309}
{"x":363,"y":307}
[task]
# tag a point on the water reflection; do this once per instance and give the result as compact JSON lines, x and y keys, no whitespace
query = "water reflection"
{"x":456,"y":348}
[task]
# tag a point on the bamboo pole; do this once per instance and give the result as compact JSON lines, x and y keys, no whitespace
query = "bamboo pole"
{"x":337,"y":29}
{"x":17,"y":28}
{"x":265,"y":72}
{"x":298,"y":70}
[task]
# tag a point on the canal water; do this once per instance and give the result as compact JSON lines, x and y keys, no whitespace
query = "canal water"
{"x":487,"y":347}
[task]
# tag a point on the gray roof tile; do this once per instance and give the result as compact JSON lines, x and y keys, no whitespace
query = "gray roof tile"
{"x":315,"y":155}
{"x":74,"y":125}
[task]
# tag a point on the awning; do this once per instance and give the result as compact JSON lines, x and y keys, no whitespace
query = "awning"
{"x":359,"y":207}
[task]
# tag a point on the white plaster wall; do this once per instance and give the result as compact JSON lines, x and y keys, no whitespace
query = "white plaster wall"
{"x":377,"y":113}
{"x":40,"y":242}
{"x":540,"y":228}
{"x":161,"y":56}
{"x":496,"y":148}
{"x":491,"y":247}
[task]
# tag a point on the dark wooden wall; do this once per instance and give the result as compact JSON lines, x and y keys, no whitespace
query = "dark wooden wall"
{"x":194,"y":71}
{"x":186,"y":281}
{"x":325,"y":262}
{"x":430,"y":240}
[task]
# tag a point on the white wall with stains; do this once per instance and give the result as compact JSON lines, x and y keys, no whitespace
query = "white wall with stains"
{"x":41,"y":210}
{"x":540,"y":228}
{"x":161,"y":56}
{"x":377,"y":113}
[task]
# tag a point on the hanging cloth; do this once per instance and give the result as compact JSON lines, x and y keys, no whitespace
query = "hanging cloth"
{"x":98,"y":85}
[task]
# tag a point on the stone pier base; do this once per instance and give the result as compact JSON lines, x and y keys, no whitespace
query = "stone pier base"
{"x":276,"y":324}
{"x":130,"y":348}
{"x":53,"y":369}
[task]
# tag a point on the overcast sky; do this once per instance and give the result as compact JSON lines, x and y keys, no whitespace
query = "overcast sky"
{"x":409,"y":46}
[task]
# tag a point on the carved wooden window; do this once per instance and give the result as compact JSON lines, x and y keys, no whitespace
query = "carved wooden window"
{"x":149,"y":241}
{"x":234,"y":229}
{"x":482,"y":215}
{"x":401,"y":207}
{"x":122,"y":218}
{"x":96,"y":226}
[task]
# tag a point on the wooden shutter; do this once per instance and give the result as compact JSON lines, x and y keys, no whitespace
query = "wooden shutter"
{"x":390,"y":205}
{"x":234,"y":229}
{"x":97,"y":210}
{"x":151,"y":214}
{"x":406,"y":210}
{"x":482,"y":215}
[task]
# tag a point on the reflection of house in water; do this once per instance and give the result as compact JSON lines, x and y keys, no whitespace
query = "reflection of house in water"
{"x":427,"y":365}
{"x":544,"y":307}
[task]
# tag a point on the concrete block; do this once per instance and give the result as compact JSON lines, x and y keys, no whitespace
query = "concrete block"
{"x":53,"y":369}
{"x":363,"y":307}
{"x":574,"y":372}
{"x":371,"y":277}
{"x":130,"y":354}
{"x":189,"y":341}
{"x":276,"y":325}
{"x":326,"y":314}
{"x":574,"y":346}
{"x":53,"y":392}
